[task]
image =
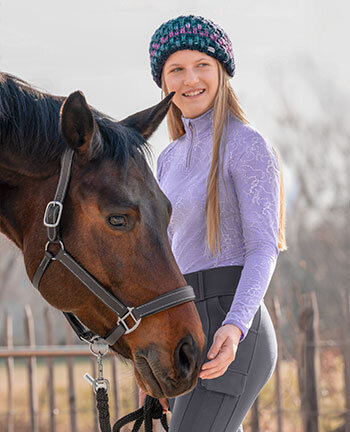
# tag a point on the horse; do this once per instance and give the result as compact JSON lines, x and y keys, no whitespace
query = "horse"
{"x":114,"y":224}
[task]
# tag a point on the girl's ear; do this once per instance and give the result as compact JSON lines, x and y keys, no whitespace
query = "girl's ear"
{"x":148,"y":120}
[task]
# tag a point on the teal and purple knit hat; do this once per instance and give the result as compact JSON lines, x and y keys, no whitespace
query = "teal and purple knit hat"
{"x":189,"y":32}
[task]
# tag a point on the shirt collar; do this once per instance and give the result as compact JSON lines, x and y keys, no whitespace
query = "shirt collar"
{"x":201,"y":125}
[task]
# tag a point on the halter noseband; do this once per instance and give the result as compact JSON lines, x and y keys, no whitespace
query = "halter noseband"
{"x":52,"y":217}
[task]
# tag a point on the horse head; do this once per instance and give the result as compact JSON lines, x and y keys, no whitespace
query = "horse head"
{"x":114,"y":223}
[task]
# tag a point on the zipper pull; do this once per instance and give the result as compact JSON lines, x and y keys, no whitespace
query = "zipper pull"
{"x":190,"y":149}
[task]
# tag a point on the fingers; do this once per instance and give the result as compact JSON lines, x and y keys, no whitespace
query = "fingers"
{"x":221,"y":353}
{"x":216,"y":367}
{"x":221,"y":362}
{"x":163,"y":401}
{"x":165,"y":404}
{"x":226,"y":355}
{"x":215,"y":373}
{"x":222,"y":358}
{"x":215,"y":348}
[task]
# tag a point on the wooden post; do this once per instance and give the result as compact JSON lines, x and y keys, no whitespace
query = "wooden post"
{"x":94,"y":408}
{"x":136,"y":394}
{"x":346,"y":355}
{"x":276,"y":316}
{"x":32,"y":370}
{"x":115,"y":386}
{"x":71,"y":385}
{"x":254,"y":416}
{"x":8,"y":342}
{"x":308,"y":362}
{"x":50,"y":370}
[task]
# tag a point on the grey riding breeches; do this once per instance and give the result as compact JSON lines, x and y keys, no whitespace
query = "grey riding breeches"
{"x":220,"y":404}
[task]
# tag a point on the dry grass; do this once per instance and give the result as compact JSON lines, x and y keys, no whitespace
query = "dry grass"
{"x":331,"y":396}
{"x":84,"y":394}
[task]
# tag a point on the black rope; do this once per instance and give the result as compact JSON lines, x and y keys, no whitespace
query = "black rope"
{"x":151,"y":409}
{"x":103,"y":410}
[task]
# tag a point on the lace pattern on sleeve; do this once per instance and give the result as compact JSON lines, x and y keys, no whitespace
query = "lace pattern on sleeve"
{"x":257,"y":184}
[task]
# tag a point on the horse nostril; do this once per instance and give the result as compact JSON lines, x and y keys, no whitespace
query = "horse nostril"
{"x":185,"y":356}
{"x":184,"y":353}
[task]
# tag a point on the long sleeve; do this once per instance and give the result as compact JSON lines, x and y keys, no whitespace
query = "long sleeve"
{"x":257,"y":184}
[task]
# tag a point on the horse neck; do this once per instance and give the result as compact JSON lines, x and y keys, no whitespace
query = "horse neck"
{"x":14,"y":168}
{"x":21,"y":194}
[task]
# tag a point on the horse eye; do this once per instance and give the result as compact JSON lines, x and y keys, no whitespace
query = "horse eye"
{"x":117,"y":220}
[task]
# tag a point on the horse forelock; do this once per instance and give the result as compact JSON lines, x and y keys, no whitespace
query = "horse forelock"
{"x":29,"y":127}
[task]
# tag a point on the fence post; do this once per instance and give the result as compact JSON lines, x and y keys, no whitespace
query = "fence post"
{"x":115,"y":385}
{"x":8,"y":342}
{"x":254,"y":412}
{"x":50,"y":369}
{"x":93,"y":398}
{"x":136,"y":393}
{"x":71,"y":385}
{"x":346,"y":355}
{"x":32,"y":371}
{"x":308,"y":369}
{"x":276,"y":316}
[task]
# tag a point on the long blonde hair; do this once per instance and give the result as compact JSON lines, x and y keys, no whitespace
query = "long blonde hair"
{"x":225,"y":100}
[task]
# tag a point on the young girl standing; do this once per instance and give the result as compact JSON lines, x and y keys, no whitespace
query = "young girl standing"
{"x":227,"y":225}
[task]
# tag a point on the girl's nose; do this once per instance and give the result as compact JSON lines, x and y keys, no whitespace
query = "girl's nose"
{"x":191,"y":77}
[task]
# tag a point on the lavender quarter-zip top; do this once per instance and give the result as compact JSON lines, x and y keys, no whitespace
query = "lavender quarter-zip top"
{"x":249,"y":207}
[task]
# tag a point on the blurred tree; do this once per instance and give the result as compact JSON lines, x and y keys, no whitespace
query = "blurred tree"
{"x":315,"y":149}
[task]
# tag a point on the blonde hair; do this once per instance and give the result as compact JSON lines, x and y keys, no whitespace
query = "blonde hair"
{"x":225,"y":100}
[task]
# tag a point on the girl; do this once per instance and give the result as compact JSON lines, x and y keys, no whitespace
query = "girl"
{"x":228,"y":221}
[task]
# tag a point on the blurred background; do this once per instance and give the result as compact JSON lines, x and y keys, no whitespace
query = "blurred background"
{"x":292,"y":69}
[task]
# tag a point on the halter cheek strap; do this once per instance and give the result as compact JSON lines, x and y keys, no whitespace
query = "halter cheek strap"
{"x":52,"y":217}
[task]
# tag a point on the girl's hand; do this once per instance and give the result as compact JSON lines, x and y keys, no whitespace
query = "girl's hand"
{"x":222,"y":352}
{"x":163,"y":401}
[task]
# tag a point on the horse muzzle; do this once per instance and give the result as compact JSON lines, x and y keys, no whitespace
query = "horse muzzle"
{"x":160,"y":379}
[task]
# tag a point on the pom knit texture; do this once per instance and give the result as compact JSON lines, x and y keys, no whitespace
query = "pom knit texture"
{"x":189,"y":32}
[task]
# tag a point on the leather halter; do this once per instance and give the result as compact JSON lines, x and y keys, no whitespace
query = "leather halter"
{"x":52,"y":217}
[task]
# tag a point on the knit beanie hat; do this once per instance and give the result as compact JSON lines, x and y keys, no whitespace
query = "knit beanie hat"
{"x":189,"y":32}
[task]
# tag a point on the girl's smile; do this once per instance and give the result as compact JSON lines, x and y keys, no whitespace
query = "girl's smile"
{"x":194,"y":93}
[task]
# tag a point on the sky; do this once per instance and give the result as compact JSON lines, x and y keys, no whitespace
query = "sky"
{"x":101,"y":48}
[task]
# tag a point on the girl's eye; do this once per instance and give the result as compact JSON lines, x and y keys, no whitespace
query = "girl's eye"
{"x":117,"y":220}
{"x":203,"y":64}
{"x":176,"y":69}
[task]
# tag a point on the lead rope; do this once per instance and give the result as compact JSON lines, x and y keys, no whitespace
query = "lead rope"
{"x":149,"y":411}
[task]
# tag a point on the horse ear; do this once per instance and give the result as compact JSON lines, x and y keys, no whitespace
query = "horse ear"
{"x":78,"y":126}
{"x":147,"y":121}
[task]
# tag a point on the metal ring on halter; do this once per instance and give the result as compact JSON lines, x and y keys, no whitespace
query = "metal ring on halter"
{"x":97,"y":353}
{"x":48,"y":244}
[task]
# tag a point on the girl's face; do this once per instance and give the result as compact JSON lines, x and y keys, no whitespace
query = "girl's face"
{"x":194,"y":76}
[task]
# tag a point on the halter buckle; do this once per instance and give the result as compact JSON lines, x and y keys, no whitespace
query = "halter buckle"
{"x":58,"y":218}
{"x":121,"y":320}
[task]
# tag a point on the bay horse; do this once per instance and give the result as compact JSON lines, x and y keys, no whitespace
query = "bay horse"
{"x":114,"y":224}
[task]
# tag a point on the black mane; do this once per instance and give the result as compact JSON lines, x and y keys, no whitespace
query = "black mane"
{"x":29,"y":126}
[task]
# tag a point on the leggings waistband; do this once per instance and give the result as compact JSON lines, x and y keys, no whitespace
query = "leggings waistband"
{"x":214,"y":282}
